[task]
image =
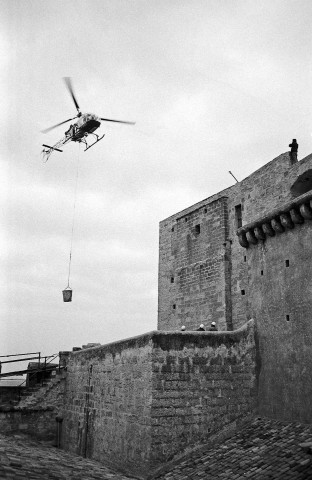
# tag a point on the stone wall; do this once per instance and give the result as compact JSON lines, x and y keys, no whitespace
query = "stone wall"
{"x":258,"y":194}
{"x":280,"y":297}
{"x":202,"y":383}
{"x":223,"y":297}
{"x":107,"y":413}
{"x":138,"y":403}
{"x":10,"y":395}
{"x":37,"y":422}
{"x":192,"y":284}
{"x":265,"y":273}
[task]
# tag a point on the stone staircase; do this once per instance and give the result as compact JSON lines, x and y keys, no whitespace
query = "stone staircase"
{"x":47,"y":393}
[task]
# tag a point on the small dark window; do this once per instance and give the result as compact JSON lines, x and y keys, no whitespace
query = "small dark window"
{"x":174,"y":306}
{"x":287,"y":263}
{"x":261,"y":272}
{"x":205,"y":210}
{"x":172,"y":229}
{"x":238,"y":215}
{"x":197,"y":229}
{"x":287,"y":318}
{"x":245,"y":258}
{"x":186,"y":219}
{"x":172,"y":280}
{"x":243,"y":292}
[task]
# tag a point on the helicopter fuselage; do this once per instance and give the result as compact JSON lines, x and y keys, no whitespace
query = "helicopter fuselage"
{"x":87,"y":123}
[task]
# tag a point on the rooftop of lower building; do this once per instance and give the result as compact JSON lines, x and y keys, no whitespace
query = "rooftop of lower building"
{"x":261,"y":450}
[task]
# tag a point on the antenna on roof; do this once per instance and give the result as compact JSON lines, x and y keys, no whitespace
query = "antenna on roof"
{"x":233,"y":176}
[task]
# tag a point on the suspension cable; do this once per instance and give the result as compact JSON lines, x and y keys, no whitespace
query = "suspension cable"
{"x":74,"y":210}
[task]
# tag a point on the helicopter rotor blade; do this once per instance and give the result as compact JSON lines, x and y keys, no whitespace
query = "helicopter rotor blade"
{"x":68,"y":82}
{"x":117,"y":121}
{"x":57,"y":125}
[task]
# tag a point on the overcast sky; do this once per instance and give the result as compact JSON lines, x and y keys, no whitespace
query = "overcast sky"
{"x":213,"y":86}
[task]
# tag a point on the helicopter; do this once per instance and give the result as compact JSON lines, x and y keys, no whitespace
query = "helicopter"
{"x":86,"y":125}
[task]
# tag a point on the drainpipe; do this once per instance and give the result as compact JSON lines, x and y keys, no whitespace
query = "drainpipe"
{"x":87,"y":413}
{"x":59,"y":420}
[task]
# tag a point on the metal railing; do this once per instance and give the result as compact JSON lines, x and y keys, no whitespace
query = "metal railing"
{"x":43,"y":365}
{"x":43,"y":369}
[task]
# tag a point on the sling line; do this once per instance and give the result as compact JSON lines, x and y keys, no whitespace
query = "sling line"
{"x":73,"y":222}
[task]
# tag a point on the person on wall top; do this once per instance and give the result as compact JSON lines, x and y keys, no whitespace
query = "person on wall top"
{"x":213,"y":327}
{"x":201,"y":328}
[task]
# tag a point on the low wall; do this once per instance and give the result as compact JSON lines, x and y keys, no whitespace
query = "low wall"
{"x":39,"y":423}
{"x":108,"y":396}
{"x":202,"y":382}
{"x":35,"y":414}
{"x":140,"y":402}
{"x":10,"y":395}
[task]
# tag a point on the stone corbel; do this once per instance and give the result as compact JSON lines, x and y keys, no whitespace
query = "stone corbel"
{"x":292,"y":214}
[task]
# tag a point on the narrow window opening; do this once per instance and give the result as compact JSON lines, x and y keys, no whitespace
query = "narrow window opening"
{"x":261,"y":272}
{"x":205,"y":210}
{"x":172,"y":229}
{"x":287,"y":318}
{"x":172,"y":280}
{"x":197,"y":229}
{"x":174,"y":306}
{"x":186,"y":219}
{"x":245,"y":258}
{"x":238,"y":215}
{"x":287,"y":263}
{"x":243,"y":292}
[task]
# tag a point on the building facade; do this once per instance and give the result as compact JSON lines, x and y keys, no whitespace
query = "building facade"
{"x":246,"y":253}
{"x":205,"y":274}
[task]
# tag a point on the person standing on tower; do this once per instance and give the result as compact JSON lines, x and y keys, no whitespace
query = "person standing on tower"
{"x":293,"y":151}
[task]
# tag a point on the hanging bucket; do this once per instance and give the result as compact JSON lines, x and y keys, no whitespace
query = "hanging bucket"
{"x":67,"y":294}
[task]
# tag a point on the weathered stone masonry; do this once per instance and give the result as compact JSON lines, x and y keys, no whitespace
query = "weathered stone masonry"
{"x":280,"y":288}
{"x":139,"y":402}
{"x":187,"y":297}
{"x":108,"y":403}
{"x":202,"y":382}
{"x":269,"y":278}
{"x":194,"y":283}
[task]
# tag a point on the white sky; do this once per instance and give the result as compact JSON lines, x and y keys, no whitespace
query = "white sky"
{"x":214,"y":85}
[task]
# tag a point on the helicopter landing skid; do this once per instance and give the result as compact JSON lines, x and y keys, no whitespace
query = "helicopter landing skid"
{"x":96,"y":141}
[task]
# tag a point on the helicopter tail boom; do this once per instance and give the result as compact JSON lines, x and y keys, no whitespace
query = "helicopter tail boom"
{"x":48,"y":150}
{"x":52,"y":148}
